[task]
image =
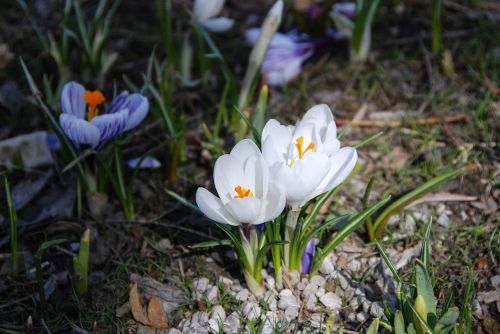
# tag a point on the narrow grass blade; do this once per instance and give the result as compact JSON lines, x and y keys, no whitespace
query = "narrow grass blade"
{"x":81,"y":264}
{"x":39,"y":273}
{"x":437,"y":38}
{"x":212,"y":243}
{"x":413,"y":195}
{"x":364,"y":21}
{"x":369,"y":139}
{"x":260,"y":109}
{"x":13,"y":222}
{"x":388,"y":263}
{"x":183,"y":200}
{"x":425,"y":253}
{"x":343,"y":233}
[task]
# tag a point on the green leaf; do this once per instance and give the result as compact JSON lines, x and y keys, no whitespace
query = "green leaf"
{"x":212,"y":243}
{"x":410,"y":197}
{"x":426,"y":290}
{"x":81,"y":264}
{"x":373,"y":329}
{"x":183,"y":200}
{"x":447,"y":321}
{"x":388,"y":263}
{"x":399,"y":323}
{"x":262,"y":252}
{"x":425,"y":327}
{"x":13,"y":222}
{"x":424,"y":256}
{"x":344,"y":232}
{"x":46,"y":245}
{"x":364,"y":19}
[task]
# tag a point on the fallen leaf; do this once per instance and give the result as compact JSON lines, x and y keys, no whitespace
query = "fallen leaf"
{"x":156,"y":315}
{"x":136,"y":306}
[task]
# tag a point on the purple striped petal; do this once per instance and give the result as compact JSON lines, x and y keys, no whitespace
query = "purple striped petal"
{"x":118,"y":103}
{"x":72,"y":102}
{"x":79,"y":130}
{"x":138,"y":107}
{"x":307,"y":257}
{"x":148,"y":162}
{"x":111,"y":125}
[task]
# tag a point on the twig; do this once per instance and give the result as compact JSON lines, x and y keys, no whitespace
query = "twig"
{"x":433,"y":120}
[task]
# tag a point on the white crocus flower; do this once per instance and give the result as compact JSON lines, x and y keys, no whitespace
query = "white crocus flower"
{"x":246,"y":193}
{"x":206,"y":11}
{"x":306,"y":160}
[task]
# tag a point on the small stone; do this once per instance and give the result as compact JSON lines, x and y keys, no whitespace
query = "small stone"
{"x":312,"y":304}
{"x":243,"y":295}
{"x":495,"y":281}
{"x":318,"y":280}
{"x":164,"y":244}
{"x":444,"y":221}
{"x":218,"y":313}
{"x":373,"y":261}
{"x":287,"y":299}
{"x":174,"y":331}
{"x":317,"y":320}
{"x":201,"y":284}
{"x":271,"y":301}
{"x":225,"y":281}
{"x":232,"y":323}
{"x":270,"y":282}
{"x":354,"y":265}
{"x":362,"y":317}
{"x":213,"y":295}
{"x":310,"y":289}
{"x":366,"y":304}
{"x":344,"y":283}
{"x":376,"y":310}
{"x":351,"y":317}
{"x":320,"y":292}
{"x":301,"y":286}
{"x":327,"y":267}
{"x":355,"y":303}
{"x":251,"y":310}
{"x":331,"y":301}
{"x":199,"y":317}
{"x":214,"y":325}
{"x":291,"y":313}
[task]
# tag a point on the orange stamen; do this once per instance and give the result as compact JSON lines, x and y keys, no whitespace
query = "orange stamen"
{"x":298,"y":145}
{"x":93,"y":99}
{"x":243,"y":192}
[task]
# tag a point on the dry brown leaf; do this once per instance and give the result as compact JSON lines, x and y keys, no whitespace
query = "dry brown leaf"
{"x":136,"y":306}
{"x":156,"y":315}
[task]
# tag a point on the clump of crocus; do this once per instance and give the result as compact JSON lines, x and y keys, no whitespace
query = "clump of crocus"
{"x":86,"y":122}
{"x":247,"y":198}
{"x":206,"y":13}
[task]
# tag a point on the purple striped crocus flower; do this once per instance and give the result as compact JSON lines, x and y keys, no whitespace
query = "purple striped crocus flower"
{"x":286,"y":54}
{"x":83,"y":123}
{"x":307,"y":257}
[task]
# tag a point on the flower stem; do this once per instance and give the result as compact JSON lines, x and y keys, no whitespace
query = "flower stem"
{"x":291,"y":223}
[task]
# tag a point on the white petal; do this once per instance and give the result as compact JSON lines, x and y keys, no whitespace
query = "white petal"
{"x":245,"y":210}
{"x":342,"y":164}
{"x":218,"y":24}
{"x":311,"y":169}
{"x":276,"y":140}
{"x":320,"y":114}
{"x":228,"y":174}
{"x":205,"y":9}
{"x":244,"y":149}
{"x":256,"y":175}
{"x":213,"y":208}
{"x":273,"y":204}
